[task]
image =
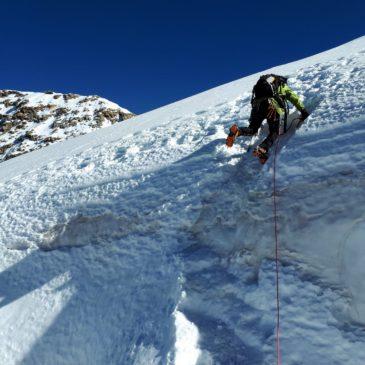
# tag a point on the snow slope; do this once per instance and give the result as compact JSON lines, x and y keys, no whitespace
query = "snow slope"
{"x":149,"y":242}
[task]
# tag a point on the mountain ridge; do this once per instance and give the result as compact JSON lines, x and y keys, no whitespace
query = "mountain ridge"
{"x":32,"y":120}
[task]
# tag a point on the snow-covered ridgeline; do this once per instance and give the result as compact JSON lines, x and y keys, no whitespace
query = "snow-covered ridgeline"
{"x":173,"y":113}
{"x":148,"y":246}
{"x":32,"y":120}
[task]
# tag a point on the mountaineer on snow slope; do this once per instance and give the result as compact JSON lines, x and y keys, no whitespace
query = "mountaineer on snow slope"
{"x":269,"y":101}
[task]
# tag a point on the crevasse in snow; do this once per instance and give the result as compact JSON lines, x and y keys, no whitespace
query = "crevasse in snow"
{"x":149,"y":242}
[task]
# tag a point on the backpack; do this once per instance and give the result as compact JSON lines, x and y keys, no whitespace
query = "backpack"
{"x":267,"y":87}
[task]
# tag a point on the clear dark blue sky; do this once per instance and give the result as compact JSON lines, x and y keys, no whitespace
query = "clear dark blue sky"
{"x":144,"y":54}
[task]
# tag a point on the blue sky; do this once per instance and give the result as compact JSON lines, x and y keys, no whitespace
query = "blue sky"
{"x":145,"y":54}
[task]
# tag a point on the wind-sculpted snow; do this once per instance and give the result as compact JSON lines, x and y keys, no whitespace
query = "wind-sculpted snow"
{"x":158,"y":247}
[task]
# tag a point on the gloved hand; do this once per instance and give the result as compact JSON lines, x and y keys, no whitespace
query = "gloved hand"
{"x":304,"y":115}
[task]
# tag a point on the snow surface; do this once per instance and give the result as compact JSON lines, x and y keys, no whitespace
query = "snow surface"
{"x":149,"y":242}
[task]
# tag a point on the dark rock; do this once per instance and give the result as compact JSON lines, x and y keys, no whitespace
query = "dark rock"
{"x":65,"y":123}
{"x":26,"y":112}
{"x":113,"y":115}
{"x":5,"y":117}
{"x":90,"y":98}
{"x":5,"y":93}
{"x":51,"y":139}
{"x":8,"y":103}
{"x":20,"y":102}
{"x":69,"y":96}
{"x":4,"y":148}
{"x":15,"y":154}
{"x":125,"y":116}
{"x":29,"y":135}
{"x":20,"y":139}
{"x":7,"y":126}
{"x":61,"y":111}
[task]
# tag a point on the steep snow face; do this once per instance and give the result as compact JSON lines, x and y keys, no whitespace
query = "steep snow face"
{"x":150,"y":243}
{"x":29,"y":120}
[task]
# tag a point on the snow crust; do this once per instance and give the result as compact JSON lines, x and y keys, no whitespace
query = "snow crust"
{"x":149,"y":242}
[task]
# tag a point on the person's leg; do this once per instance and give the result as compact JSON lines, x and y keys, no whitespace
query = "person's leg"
{"x":258,"y":114}
{"x":274,"y":123}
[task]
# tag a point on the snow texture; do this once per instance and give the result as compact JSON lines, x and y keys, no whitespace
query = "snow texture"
{"x":149,"y":242}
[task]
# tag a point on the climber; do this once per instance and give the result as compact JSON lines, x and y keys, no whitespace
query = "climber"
{"x":269,"y":101}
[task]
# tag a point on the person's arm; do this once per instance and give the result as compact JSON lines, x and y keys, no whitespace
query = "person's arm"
{"x":293,"y":97}
{"x":295,"y":100}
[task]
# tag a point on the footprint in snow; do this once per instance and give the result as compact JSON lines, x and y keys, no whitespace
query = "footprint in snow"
{"x":125,"y":152}
{"x":120,"y":152}
{"x":87,"y":166}
{"x":219,"y":104}
{"x":132,"y":150}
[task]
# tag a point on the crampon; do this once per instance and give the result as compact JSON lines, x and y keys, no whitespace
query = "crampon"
{"x":233,"y":133}
{"x":261,"y":153}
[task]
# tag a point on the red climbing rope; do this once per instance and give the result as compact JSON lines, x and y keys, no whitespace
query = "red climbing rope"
{"x":278,"y":353}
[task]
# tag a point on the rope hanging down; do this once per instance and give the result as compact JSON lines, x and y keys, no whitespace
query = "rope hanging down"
{"x":278,"y":352}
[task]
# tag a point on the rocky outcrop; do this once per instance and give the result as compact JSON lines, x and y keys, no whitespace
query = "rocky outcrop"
{"x":30,"y":121}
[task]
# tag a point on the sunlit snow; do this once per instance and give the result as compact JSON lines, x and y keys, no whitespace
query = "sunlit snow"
{"x":149,"y":242}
